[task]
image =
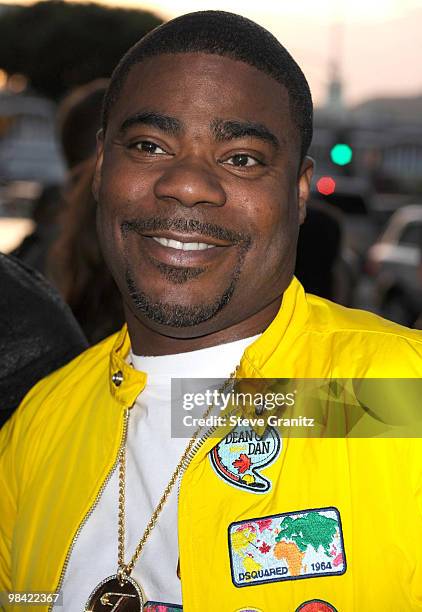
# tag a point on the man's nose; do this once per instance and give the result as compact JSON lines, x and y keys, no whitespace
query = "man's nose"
{"x":190,"y":182}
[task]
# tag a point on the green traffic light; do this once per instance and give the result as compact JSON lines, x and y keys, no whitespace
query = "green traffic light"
{"x":341,"y":154}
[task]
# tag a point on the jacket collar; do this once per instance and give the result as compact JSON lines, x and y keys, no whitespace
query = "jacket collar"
{"x":125,"y":382}
{"x":270,"y":347}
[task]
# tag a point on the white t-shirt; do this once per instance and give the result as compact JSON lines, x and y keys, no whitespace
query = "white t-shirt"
{"x":151,"y":457}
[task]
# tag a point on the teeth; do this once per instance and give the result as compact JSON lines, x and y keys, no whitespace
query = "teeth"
{"x":183,"y":246}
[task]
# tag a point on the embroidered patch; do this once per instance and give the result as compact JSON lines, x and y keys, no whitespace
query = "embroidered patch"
{"x":316,"y":605}
{"x":239,"y":457}
{"x":155,"y":606}
{"x":287,"y":546}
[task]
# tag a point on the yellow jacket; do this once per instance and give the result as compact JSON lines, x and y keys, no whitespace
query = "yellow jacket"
{"x":59,"y":447}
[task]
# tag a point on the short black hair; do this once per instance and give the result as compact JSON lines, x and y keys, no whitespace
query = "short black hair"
{"x":226,"y":34}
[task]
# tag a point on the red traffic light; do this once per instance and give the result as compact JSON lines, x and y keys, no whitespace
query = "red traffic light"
{"x":326,"y":185}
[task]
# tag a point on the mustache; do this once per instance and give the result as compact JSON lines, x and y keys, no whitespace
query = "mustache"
{"x":187,"y":226}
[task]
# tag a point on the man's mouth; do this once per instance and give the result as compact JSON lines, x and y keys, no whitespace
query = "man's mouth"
{"x":181,"y":243}
{"x":178,"y":249}
{"x":183,"y":246}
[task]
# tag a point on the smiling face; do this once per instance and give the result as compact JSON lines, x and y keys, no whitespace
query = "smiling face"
{"x":200,"y":194}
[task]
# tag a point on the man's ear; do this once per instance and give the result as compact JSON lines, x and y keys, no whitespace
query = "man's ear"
{"x":304,"y":185}
{"x":98,"y":165}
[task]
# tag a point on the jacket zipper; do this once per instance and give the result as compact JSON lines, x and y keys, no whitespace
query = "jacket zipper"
{"x":198,"y":444}
{"x":92,"y":508}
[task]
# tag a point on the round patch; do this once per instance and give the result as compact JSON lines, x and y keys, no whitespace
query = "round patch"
{"x":240,"y":456}
{"x":316,"y":605}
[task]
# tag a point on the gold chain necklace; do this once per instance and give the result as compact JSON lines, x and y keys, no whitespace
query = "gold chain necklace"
{"x":121,"y":591}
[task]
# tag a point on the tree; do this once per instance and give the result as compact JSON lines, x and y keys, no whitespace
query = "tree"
{"x":58,"y":45}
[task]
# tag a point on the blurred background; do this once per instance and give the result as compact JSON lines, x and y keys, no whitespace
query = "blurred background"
{"x":361,"y":244}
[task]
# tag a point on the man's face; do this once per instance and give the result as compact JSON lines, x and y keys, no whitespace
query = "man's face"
{"x":200,"y":193}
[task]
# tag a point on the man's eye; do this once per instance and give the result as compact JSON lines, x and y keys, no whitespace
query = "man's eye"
{"x":149,"y":147}
{"x":241,"y":160}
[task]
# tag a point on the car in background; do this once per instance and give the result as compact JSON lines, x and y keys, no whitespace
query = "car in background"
{"x":395,"y":264}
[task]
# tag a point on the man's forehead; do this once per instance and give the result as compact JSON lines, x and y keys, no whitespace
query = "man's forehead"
{"x":193,"y":84}
{"x":213,"y":65}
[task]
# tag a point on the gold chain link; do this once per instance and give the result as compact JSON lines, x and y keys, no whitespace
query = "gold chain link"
{"x":125,"y":570}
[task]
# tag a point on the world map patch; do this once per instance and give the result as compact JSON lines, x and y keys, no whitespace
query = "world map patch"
{"x":287,"y":546}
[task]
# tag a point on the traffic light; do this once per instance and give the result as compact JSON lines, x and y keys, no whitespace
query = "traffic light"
{"x":341,"y":152}
{"x":326,"y":185}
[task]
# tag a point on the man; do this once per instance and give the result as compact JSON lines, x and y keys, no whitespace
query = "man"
{"x":202,"y":180}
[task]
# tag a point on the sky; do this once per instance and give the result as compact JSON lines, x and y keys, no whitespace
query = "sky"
{"x":377,"y":44}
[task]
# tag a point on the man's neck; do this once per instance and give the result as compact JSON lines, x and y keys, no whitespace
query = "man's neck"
{"x":149,"y":342}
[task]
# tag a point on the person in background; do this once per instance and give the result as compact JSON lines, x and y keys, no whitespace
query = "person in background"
{"x":320,"y":232}
{"x":75,"y":263}
{"x":78,"y":121}
{"x":38,"y":333}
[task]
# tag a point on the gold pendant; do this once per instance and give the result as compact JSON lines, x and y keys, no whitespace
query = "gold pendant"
{"x":113,"y":596}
